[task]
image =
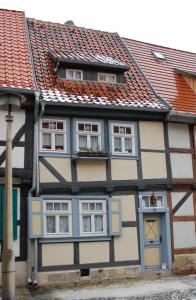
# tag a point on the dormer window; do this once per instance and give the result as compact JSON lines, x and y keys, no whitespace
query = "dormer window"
{"x":73,"y":74}
{"x":107,"y":77}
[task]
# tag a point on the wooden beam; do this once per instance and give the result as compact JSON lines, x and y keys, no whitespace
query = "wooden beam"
{"x":185,"y":250}
{"x":183,"y":218}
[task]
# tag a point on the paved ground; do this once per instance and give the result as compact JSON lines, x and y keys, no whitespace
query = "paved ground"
{"x":167,"y":288}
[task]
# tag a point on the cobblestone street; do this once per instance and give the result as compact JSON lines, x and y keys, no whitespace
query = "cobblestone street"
{"x":171,"y":287}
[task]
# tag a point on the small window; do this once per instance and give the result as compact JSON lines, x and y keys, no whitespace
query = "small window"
{"x":153,"y":200}
{"x":53,"y":135}
{"x":123,"y":139}
{"x":93,"y":217}
{"x":88,"y":136}
{"x":57,"y":218}
{"x":107,"y":77}
{"x":159,"y":55}
{"x":74,"y":74}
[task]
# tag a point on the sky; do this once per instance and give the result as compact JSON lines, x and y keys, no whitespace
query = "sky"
{"x":168,"y":23}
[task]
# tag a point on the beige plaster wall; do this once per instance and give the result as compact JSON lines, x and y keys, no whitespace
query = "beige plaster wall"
{"x":153,"y":165}
{"x":187,"y":208}
{"x":62,"y":165}
{"x":151,"y":135}
{"x":126,"y":245}
{"x":124,"y":169}
{"x":57,"y":254}
{"x":128,"y":207}
{"x":181,"y":165}
{"x":178,"y":135}
{"x":94,"y":252}
{"x":45,"y":175}
{"x":91,"y":170}
{"x":184,"y":234}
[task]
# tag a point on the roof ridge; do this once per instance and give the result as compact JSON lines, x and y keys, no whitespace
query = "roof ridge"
{"x":165,"y":47}
{"x":13,"y":10}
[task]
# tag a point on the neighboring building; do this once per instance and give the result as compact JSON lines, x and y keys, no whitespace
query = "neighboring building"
{"x":172,"y":74}
{"x":16,"y":77}
{"x":102,"y":156}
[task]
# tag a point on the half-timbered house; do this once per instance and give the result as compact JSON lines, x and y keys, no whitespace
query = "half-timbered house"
{"x":172,"y":74}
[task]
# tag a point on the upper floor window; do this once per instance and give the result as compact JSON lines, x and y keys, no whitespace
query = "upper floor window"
{"x":53,"y":135}
{"x":57,"y":217}
{"x":153,"y":200}
{"x":107,"y":77}
{"x":123,"y":139}
{"x":88,"y":136}
{"x":74,"y":74}
{"x":93,"y":217}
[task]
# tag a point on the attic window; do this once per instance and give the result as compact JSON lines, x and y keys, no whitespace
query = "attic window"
{"x":159,"y":55}
{"x":107,"y":77}
{"x":74,"y":74}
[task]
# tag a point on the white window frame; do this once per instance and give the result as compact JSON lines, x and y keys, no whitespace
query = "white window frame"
{"x":92,"y":214}
{"x":74,"y":74}
{"x":108,"y":75}
{"x":53,"y":132}
{"x":58,"y":214}
{"x":88,"y":134}
{"x":123,"y":136}
{"x":151,"y":207}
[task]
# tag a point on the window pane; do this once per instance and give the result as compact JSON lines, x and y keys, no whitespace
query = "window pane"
{"x":49,"y":206}
{"x":82,"y":142}
{"x":63,"y":224}
{"x":81,"y":127}
{"x":86,"y":223}
{"x":128,"y":130}
{"x":50,"y":224}
{"x":92,"y":206}
{"x":116,"y":129}
{"x":98,"y":206}
{"x":64,"y":206}
{"x":102,"y":77}
{"x":84,"y":206}
{"x":59,"y":141}
{"x":46,"y":141}
{"x":95,"y":128}
{"x":52,"y":125}
{"x":57,"y":206}
{"x":70,"y":74}
{"x":111,"y":78}
{"x":94,"y":143}
{"x":60,"y":125}
{"x":98,"y":223}
{"x":159,"y":201}
{"x":122,"y":130}
{"x":78,"y":75}
{"x":45,"y":125}
{"x":145,"y":200}
{"x":128,"y":145}
{"x":117,"y":144}
{"x":87,"y":127}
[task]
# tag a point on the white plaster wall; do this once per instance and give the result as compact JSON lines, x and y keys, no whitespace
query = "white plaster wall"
{"x":17,"y":157}
{"x":178,"y":135}
{"x":187,"y":208}
{"x":19,"y":120}
{"x":184,"y":234}
{"x":181,"y":165}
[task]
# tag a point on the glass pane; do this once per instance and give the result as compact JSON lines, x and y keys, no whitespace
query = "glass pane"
{"x":117,"y":145}
{"x":111,"y":78}
{"x":94,"y":143}
{"x":70,"y":74}
{"x":81,"y":127}
{"x":52,"y":125}
{"x":64,"y":206}
{"x":92,"y":206}
{"x":46,"y":141}
{"x":98,"y":223}
{"x":82,"y":142}
{"x":122,"y":130}
{"x":159,"y":201}
{"x":63,"y":224}
{"x":45,"y":125}
{"x":128,"y":130}
{"x":87,"y":127}
{"x":60,"y":125}
{"x":78,"y":75}
{"x":116,"y":129}
{"x":49,"y":206}
{"x":57,"y":206}
{"x":84,"y":206}
{"x":59,"y":141}
{"x":95,"y":127}
{"x":50,"y":224}
{"x":128,"y":145}
{"x":98,"y":206}
{"x":145,"y":200}
{"x":102,"y":77}
{"x":86,"y":223}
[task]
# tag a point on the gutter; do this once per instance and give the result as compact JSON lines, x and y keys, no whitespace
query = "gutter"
{"x":181,"y":117}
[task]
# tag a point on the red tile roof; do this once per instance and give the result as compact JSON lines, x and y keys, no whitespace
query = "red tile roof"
{"x":45,"y":36}
{"x":163,"y":76}
{"x":15,"y":64}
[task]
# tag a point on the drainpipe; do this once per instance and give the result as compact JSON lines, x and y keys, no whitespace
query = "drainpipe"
{"x":30,"y":193}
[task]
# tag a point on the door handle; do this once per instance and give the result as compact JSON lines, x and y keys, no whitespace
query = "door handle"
{"x":160,"y":239}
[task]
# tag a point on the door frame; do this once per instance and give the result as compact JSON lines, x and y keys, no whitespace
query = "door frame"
{"x":164,"y":214}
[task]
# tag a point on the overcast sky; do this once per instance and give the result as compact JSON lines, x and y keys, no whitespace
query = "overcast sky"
{"x":169,"y":23}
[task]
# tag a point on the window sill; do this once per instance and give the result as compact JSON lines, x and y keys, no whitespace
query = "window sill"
{"x":91,"y":155}
{"x":73,"y":239}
